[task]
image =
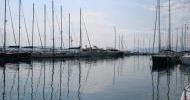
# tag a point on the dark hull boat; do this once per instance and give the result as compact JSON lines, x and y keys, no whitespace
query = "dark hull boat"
{"x":15,"y":57}
{"x":162,"y":62}
{"x":164,"y":59}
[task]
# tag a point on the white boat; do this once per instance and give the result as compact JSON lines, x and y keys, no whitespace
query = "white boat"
{"x":186,"y":93}
{"x":185,"y":59}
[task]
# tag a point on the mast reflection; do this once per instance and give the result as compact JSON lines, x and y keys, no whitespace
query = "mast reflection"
{"x":60,"y":80}
{"x":4,"y":81}
{"x":44,"y":84}
{"x":18,"y":89}
{"x":32,"y":81}
{"x":162,"y":71}
{"x":68,"y":78}
{"x":79,"y":92}
{"x":52,"y":79}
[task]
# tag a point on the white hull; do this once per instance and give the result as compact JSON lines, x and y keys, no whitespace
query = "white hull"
{"x":186,"y":93}
{"x":187,"y":96}
{"x":185,"y":60}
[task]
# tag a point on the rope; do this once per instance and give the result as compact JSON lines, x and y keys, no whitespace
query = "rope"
{"x":86,"y":32}
{"x":12,"y":22}
{"x":39,"y":31}
{"x":26,"y":29}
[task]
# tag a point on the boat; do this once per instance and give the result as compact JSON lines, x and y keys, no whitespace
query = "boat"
{"x":185,"y":59}
{"x":166,"y":56}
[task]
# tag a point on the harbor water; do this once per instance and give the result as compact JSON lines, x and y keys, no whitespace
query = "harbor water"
{"x":128,"y":78}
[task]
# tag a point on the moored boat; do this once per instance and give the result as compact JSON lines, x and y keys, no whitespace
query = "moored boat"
{"x":185,"y":59}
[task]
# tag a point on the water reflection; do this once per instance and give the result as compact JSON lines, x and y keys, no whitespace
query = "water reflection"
{"x":169,"y":80}
{"x":108,"y":79}
{"x":162,"y":71}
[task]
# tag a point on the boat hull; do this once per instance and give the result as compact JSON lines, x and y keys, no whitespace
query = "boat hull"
{"x":185,"y":60}
{"x":186,"y":94}
{"x":15,"y":57}
{"x":160,"y":59}
{"x":161,"y":62}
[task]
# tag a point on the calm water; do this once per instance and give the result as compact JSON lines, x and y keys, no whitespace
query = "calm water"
{"x":129,"y":78}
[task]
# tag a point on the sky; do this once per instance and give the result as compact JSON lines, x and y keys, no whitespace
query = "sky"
{"x":134,"y":21}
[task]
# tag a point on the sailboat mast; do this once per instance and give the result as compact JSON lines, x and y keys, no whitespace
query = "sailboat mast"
{"x":159,"y":34}
{"x":69,"y":31}
{"x":115,"y":37}
{"x":19,"y":23}
{"x":33,"y":18}
{"x":169,"y":30}
{"x":182,"y":39}
{"x":119,"y":44}
{"x":185,"y":37}
{"x":53,"y":25}
{"x":61,"y":28}
{"x":177,"y":39}
{"x":80,"y":30}
{"x":44,"y":25}
{"x":5,"y":26}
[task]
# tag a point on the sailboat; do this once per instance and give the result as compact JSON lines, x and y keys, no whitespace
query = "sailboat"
{"x":185,"y":59}
{"x":6,"y":55}
{"x":164,"y":57}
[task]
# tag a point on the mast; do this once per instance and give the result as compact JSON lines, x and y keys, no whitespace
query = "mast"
{"x":69,"y":31}
{"x":33,"y":19}
{"x":177,"y":40}
{"x":138,"y":44}
{"x":80,"y":30}
{"x":169,"y":30}
{"x":44,"y":25}
{"x":185,"y":39}
{"x":182,"y":39}
{"x":19,"y":23}
{"x":61,"y":28}
{"x":155,"y":28}
{"x":115,"y":37}
{"x":53,"y":25}
{"x":119,"y":44}
{"x":5,"y":26}
{"x":159,"y":34}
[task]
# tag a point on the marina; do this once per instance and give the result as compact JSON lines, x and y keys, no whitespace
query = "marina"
{"x":94,"y":50}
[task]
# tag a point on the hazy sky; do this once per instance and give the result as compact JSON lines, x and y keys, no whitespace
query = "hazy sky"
{"x":132,"y":18}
